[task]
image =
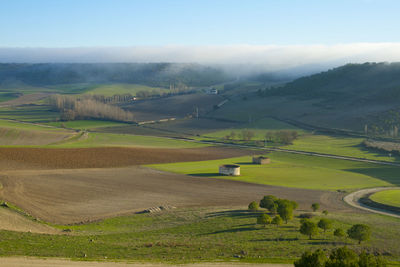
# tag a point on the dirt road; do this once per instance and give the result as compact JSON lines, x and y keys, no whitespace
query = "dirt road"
{"x":353,"y":199}
{"x":25,"y":262}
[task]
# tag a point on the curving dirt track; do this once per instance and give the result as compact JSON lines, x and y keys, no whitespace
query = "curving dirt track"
{"x":73,"y":196}
{"x":106,"y":157}
{"x":353,"y":200}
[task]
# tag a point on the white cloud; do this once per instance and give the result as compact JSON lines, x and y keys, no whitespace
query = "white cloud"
{"x":271,"y":57}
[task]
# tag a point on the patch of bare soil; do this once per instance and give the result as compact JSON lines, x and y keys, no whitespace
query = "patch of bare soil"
{"x":105,"y":157}
{"x":12,"y":221}
{"x":74,"y":196}
{"x":22,"y":262}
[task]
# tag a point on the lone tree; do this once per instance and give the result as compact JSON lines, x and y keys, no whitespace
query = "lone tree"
{"x":325,"y":224}
{"x":339,"y":233}
{"x":253,"y":206}
{"x":312,"y":259}
{"x":277,"y":220}
{"x":308,"y":228}
{"x":315,"y":206}
{"x":325,"y":212}
{"x":268,"y":202}
{"x":359,"y":232}
{"x":285,"y":210}
{"x":264,"y":219}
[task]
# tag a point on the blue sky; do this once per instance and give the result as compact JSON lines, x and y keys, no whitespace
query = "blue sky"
{"x":89,"y":23}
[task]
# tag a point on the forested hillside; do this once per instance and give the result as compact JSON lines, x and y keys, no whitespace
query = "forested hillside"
{"x":365,"y":82}
{"x":362,"y":97}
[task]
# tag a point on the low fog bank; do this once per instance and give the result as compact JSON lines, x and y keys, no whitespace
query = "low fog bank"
{"x":272,"y":57}
{"x":295,"y":60}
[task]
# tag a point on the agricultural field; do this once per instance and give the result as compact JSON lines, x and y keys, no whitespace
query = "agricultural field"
{"x":123,"y":88}
{"x":197,"y":235}
{"x":177,"y":106}
{"x":86,"y":124}
{"x":95,"y":139}
{"x":29,"y":134}
{"x":259,"y":128}
{"x":76,"y":189}
{"x":29,"y":113}
{"x":300,"y":171}
{"x":337,"y":145}
{"x":106,"y":157}
{"x":387,"y":197}
{"x":82,"y":195}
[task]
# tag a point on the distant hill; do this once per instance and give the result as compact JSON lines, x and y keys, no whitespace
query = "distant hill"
{"x":364,"y":82}
{"x":152,"y":74}
{"x":347,"y":97}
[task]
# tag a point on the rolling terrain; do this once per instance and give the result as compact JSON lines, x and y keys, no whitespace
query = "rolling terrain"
{"x":79,"y":188}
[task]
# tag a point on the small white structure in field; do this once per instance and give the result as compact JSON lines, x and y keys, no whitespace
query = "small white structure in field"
{"x":261,"y":160}
{"x":229,"y":169}
{"x":212,"y":91}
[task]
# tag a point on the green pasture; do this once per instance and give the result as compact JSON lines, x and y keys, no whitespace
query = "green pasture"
{"x":122,"y":88}
{"x":198,"y":235}
{"x":291,"y":170}
{"x":337,"y":145}
{"x":30,"y":113}
{"x":124,"y":140}
{"x":387,"y":197}
{"x":259,"y":127}
{"x":5,"y":96}
{"x":28,"y":126}
{"x":86,"y":124}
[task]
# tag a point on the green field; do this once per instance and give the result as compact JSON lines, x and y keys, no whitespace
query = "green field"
{"x":31,"y":113}
{"x":86,"y":124}
{"x":343,"y":146}
{"x":196,"y":235}
{"x":291,"y":170}
{"x":28,"y":126}
{"x":122,"y":88}
{"x":387,"y":197}
{"x":124,"y":140}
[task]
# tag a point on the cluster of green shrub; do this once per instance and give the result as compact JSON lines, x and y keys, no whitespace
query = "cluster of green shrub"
{"x":282,"y":208}
{"x":283,"y":211}
{"x":340,"y":257}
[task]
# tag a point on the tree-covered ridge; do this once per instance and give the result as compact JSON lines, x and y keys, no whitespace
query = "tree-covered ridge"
{"x":154,"y":74}
{"x":364,"y":82}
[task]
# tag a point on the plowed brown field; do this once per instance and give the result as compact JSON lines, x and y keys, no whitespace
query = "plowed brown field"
{"x":106,"y":157}
{"x":73,"y":196}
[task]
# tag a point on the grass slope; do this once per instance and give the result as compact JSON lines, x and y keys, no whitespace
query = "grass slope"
{"x":299,"y":171}
{"x":28,"y":134}
{"x":342,"y":146}
{"x":30,"y":113}
{"x":124,"y":140}
{"x":201,"y":235}
{"x":86,"y":124}
{"x":122,"y":88}
{"x":387,"y":197}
